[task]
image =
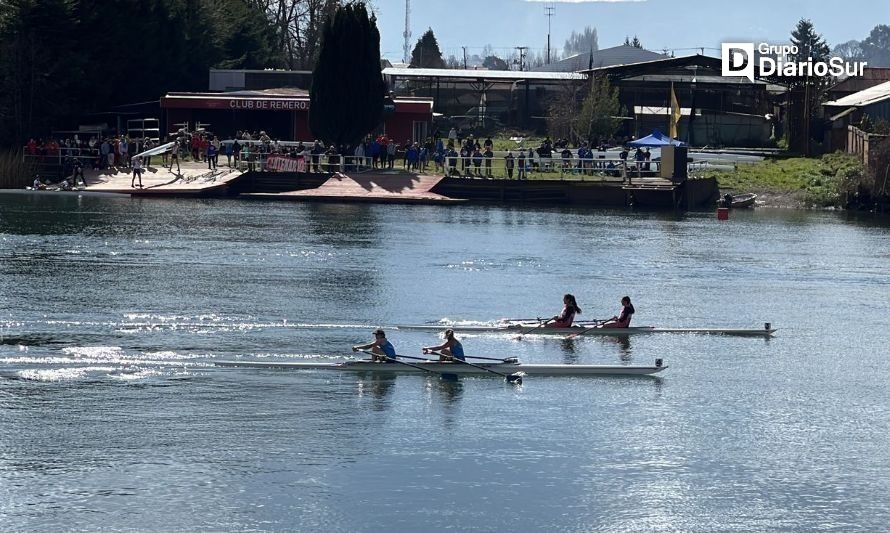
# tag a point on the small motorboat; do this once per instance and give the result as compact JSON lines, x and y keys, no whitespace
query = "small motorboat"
{"x":738,"y":201}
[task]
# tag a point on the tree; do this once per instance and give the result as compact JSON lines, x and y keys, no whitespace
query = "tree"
{"x":876,"y":47}
{"x":583,"y":42}
{"x":495,"y":63}
{"x":295,"y":27}
{"x":635,"y":42}
{"x":41,"y":69}
{"x":63,"y":59}
{"x":346,"y":98}
{"x":808,"y":91}
{"x":600,"y":109}
{"x":585,"y":111}
{"x":850,"y":50}
{"x":426,"y":53}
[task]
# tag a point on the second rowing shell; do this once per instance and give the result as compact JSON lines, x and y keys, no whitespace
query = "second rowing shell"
{"x":532,"y":329}
{"x":454,"y":368}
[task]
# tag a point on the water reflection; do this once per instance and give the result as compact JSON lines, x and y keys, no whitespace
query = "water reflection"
{"x":569,"y":350}
{"x":450,"y":389}
{"x":378,"y":387}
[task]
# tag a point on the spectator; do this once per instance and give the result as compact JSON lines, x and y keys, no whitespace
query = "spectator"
{"x":509,"y":162}
{"x":477,"y":161}
{"x":391,"y":154}
{"x":520,"y":161}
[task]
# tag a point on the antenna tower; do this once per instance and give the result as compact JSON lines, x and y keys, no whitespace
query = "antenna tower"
{"x":406,"y":47}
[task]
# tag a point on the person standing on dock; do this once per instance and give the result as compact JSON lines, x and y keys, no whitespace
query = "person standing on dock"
{"x":488,"y":155}
{"x":477,"y":161}
{"x":391,"y":154}
{"x":567,"y":316}
{"x":137,"y":172}
{"x":520,"y":161}
{"x":449,"y":350}
{"x":210,"y":156}
{"x":147,"y":145}
{"x":174,"y":156}
{"x":509,"y":163}
{"x":381,"y":349}
{"x":623,"y":318}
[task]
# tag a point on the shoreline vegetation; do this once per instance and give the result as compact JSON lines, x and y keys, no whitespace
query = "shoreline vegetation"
{"x":831,"y":181}
{"x":15,"y":171}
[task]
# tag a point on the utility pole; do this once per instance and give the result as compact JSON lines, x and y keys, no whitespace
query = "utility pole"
{"x":406,"y":47}
{"x":522,"y":50}
{"x":549,"y":14}
{"x":465,"y":57}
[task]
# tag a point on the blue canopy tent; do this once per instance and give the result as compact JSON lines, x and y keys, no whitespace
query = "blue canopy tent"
{"x":656,"y":139}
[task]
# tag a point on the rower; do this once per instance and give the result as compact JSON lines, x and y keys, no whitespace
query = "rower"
{"x":449,"y":350}
{"x":381,"y":349}
{"x":623,"y":318}
{"x":567,"y":316}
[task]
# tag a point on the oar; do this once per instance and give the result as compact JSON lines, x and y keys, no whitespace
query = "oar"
{"x":596,"y":324}
{"x":515,"y":378}
{"x":537,"y":318}
{"x":541,"y":325}
{"x":388,"y":358}
{"x":504,"y":360}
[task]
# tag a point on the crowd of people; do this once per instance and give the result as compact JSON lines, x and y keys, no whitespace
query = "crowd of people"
{"x":452,"y":155}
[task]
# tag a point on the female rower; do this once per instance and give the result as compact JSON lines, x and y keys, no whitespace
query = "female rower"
{"x":450,"y":349}
{"x":381,"y":349}
{"x":567,"y":316}
{"x":623,"y":318}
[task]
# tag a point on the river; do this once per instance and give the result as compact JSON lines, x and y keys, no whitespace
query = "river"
{"x":113,"y":416}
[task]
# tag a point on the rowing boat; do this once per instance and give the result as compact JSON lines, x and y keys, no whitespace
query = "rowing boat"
{"x":588,"y":329}
{"x":443,"y":367}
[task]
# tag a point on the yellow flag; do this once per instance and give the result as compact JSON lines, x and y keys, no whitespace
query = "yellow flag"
{"x":675,"y":114}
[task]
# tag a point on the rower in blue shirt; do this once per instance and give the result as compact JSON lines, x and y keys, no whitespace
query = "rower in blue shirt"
{"x":381,"y":349}
{"x":450,"y":349}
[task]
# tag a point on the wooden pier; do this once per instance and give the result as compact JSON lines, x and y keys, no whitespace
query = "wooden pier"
{"x":389,"y":187}
{"x":192,"y":179}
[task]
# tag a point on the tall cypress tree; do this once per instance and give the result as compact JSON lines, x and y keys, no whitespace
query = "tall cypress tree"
{"x":806,"y":92}
{"x":426,"y":53}
{"x":346,"y":98}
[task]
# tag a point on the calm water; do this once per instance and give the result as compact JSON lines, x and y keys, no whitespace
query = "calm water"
{"x":112,"y":416}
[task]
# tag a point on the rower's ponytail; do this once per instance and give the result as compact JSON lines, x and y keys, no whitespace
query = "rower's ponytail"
{"x":573,"y":303}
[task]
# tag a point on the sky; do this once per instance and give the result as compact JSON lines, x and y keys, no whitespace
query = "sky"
{"x":680,"y":25}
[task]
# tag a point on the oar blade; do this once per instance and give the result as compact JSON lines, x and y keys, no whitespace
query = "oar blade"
{"x":514,"y":378}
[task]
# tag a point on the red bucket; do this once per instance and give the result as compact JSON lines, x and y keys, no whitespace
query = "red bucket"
{"x":722,"y":213}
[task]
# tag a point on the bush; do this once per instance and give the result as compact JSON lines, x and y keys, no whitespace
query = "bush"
{"x":15,"y":173}
{"x":841,"y":176}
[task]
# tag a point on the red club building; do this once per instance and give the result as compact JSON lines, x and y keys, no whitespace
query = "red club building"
{"x":283,"y":113}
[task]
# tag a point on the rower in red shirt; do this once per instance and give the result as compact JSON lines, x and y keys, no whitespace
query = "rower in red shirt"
{"x":567,"y":316}
{"x":623,"y":318}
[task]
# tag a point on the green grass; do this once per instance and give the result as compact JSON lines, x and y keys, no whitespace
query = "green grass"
{"x":821,"y":182}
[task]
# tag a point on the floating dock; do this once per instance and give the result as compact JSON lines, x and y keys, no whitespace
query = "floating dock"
{"x":391,"y":187}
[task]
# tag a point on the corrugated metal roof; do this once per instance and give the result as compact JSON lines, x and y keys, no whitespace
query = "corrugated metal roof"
{"x":506,"y":75}
{"x":693,"y":78}
{"x":872,"y":95}
{"x":616,"y":55}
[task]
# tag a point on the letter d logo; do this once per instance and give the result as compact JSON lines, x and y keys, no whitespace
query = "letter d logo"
{"x":738,"y":59}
